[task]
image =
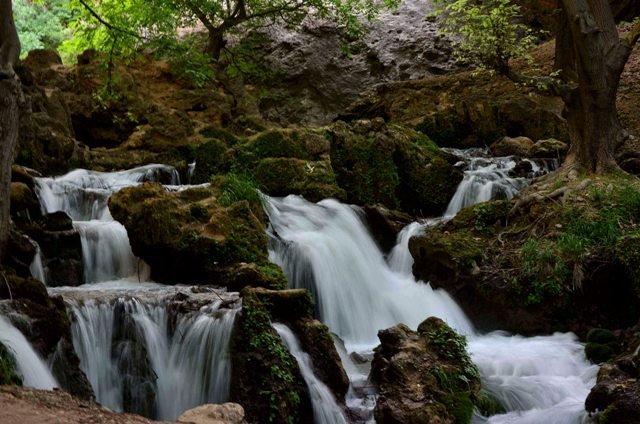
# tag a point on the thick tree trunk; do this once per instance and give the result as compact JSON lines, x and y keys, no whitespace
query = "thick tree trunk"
{"x":215,"y":44}
{"x":10,"y":96}
{"x":590,"y":107}
{"x":9,"y":118}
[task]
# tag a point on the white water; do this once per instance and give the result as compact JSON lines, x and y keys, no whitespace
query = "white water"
{"x":35,"y":373}
{"x":325,"y":408}
{"x":192,"y":364}
{"x":37,"y":267}
{"x":487,"y":178}
{"x":326,"y":248}
{"x":84,"y":196}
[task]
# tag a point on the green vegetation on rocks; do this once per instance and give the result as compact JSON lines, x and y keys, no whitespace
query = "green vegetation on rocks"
{"x":8,"y":372}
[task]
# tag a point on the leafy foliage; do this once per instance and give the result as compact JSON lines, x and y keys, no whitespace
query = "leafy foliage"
{"x":485,"y":33}
{"x":42,"y":24}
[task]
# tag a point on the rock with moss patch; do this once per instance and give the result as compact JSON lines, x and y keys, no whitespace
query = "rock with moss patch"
{"x":549,"y":148}
{"x":8,"y":372}
{"x":424,"y":376}
{"x":185,"y":237}
{"x":391,"y":165}
{"x":513,"y":146}
{"x":266,"y":379}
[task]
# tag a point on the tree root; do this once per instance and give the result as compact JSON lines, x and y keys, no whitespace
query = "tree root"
{"x":539,"y":197}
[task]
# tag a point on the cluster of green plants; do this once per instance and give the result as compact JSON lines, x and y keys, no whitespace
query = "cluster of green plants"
{"x":42,"y":24}
{"x":8,"y":373}
{"x":237,"y":187}
{"x":554,"y":265}
{"x":453,"y":346}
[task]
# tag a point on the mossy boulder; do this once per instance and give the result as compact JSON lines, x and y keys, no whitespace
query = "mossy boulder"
{"x":424,"y":376}
{"x":549,"y":148}
{"x":186,"y":237}
{"x":266,"y":379}
{"x":314,"y":180}
{"x":512,"y":146}
{"x":300,"y":143}
{"x":391,"y":165}
{"x":211,"y":159}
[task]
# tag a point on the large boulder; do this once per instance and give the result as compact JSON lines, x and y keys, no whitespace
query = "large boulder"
{"x":189,"y":235}
{"x":391,"y":165}
{"x":424,"y":376}
{"x":516,"y":146}
{"x":226,"y":413}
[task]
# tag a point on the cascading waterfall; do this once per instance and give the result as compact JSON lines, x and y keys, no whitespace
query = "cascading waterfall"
{"x":134,"y":362}
{"x":325,"y":408}
{"x":357,"y":293}
{"x":37,"y":267}
{"x":84,"y":196}
{"x":489,"y":177}
{"x":325,"y":247}
{"x":29,"y":364}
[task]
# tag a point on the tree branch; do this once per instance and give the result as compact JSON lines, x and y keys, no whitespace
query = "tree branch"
{"x":108,"y":24}
{"x":546,"y":85}
{"x":201,"y":16}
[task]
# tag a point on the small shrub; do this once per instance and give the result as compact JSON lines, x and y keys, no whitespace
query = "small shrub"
{"x":237,"y":187}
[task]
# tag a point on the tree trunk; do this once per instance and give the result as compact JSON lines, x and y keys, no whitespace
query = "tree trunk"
{"x":590,"y":107}
{"x":215,"y":44}
{"x":10,"y":95}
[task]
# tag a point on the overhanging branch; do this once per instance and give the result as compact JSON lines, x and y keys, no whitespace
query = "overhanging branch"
{"x":109,"y":25}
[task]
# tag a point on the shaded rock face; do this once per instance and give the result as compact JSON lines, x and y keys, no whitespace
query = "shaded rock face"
{"x":189,"y":236}
{"x":424,"y":376}
{"x":318,"y":80}
{"x":385,"y":224}
{"x":391,"y":165}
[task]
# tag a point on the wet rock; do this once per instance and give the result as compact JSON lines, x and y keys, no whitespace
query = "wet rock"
{"x":22,"y":200}
{"x":226,"y":413}
{"x":316,"y":340}
{"x":385,"y":225}
{"x":391,"y":165}
{"x":269,"y":276}
{"x":21,"y":174}
{"x":61,"y":248}
{"x":56,"y":221}
{"x":516,"y":146}
{"x":20,"y":252}
{"x":177,"y":244}
{"x":424,"y":376}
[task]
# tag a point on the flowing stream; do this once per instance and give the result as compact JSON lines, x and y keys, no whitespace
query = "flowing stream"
{"x":326,"y":248}
{"x":141,"y":355}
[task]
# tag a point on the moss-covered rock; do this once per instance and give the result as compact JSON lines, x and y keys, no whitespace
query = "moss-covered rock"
{"x":210,"y":160}
{"x":314,"y":180}
{"x":424,"y":376}
{"x":512,"y":146}
{"x":266,"y":380}
{"x":185,"y":237}
{"x":391,"y":165}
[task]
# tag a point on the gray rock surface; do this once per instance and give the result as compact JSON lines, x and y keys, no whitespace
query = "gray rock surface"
{"x":318,"y":80}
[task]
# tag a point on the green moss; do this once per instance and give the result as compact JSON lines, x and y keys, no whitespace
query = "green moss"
{"x":238,"y":187}
{"x":210,"y":159}
{"x":483,"y":216}
{"x":608,"y":416}
{"x":601,"y":335}
{"x":219,"y":134}
{"x":278,"y":144}
{"x":627,"y":250}
{"x":598,"y":353}
{"x":460,"y":406}
{"x":8,"y":371}
{"x":487,"y":405}
{"x":274,"y":273}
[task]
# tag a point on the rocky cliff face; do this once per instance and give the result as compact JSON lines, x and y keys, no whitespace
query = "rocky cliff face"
{"x":318,"y":80}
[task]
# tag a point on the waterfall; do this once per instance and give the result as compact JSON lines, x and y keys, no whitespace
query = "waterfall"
{"x":37,"y":268}
{"x":326,"y":248}
{"x":136,"y":363}
{"x":84,"y":196}
{"x":357,"y":293}
{"x":30,"y":366}
{"x":487,"y":178}
{"x":325,"y":407}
